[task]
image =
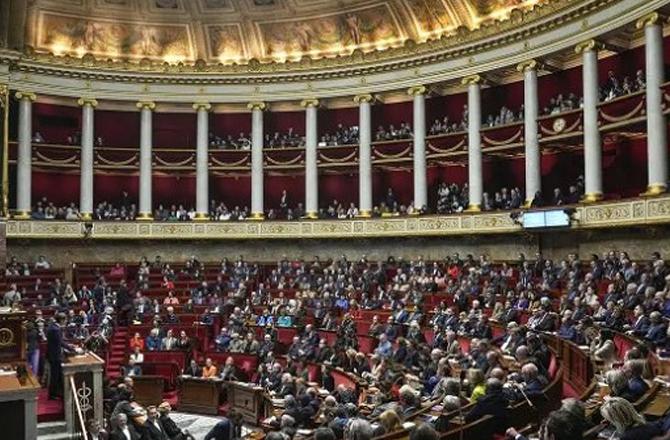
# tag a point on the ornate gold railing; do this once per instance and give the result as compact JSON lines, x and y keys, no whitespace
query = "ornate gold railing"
{"x":631,"y":212}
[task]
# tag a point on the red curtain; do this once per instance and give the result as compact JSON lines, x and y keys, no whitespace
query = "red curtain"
{"x":108,"y":187}
{"x":174,"y":130}
{"x":224,"y":124}
{"x":330,"y":118}
{"x":118,"y":129}
{"x":58,"y":187}
{"x":56,"y":122}
{"x":280,"y":122}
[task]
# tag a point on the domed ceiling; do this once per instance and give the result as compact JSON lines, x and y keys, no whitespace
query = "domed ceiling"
{"x":237,"y":31}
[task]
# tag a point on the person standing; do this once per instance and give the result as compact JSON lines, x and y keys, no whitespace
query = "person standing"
{"x":55,"y":348}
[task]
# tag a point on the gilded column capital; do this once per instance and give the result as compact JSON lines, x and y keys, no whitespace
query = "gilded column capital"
{"x":359,"y":99}
{"x":3,"y":89}
{"x":648,"y":20}
{"x":313,"y":102}
{"x":202,"y":106}
{"x":87,"y":101}
{"x":472,"y":79}
{"x":528,"y":66}
{"x":146,"y":104}
{"x":417,"y":90}
{"x":25,"y":95}
{"x":258,"y":105}
{"x":588,"y":45}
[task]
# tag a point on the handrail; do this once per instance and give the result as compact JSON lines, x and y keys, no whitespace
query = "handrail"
{"x":77,"y":406}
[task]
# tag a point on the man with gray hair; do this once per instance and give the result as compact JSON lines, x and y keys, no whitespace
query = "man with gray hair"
{"x":358,"y":429}
{"x":123,"y":430}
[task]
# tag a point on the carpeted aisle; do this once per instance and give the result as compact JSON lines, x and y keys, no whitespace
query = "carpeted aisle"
{"x":48,"y":410}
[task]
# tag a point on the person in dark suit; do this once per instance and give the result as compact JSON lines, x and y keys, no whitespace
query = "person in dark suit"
{"x":633,"y":370}
{"x":492,"y":403}
{"x":656,"y":334}
{"x":172,"y":431}
{"x":123,"y":430}
{"x":153,"y":426}
{"x":640,"y":323}
{"x":193,"y":369}
{"x":559,"y":425}
{"x":55,"y":349}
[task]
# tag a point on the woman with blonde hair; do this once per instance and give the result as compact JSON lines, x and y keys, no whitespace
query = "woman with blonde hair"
{"x":628,"y":423}
{"x":477,"y":382}
{"x":389,"y":421}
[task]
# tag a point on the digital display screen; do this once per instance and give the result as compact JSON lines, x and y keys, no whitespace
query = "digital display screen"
{"x":546,"y":219}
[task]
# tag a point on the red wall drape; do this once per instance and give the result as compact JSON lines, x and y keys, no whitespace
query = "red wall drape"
{"x":118,"y":129}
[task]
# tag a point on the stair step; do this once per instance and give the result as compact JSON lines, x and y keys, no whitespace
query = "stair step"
{"x":56,"y":436}
{"x":51,"y":428}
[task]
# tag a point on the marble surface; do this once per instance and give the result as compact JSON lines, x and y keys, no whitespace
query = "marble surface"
{"x":198,"y":425}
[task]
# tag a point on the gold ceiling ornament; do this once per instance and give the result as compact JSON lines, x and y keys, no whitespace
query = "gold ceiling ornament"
{"x":358,"y":99}
{"x":417,"y":90}
{"x":87,"y":101}
{"x":313,"y":102}
{"x":588,"y":45}
{"x":257,"y":105}
{"x":202,"y":106}
{"x":528,"y":65}
{"x":472,"y":79}
{"x":648,"y":20}
{"x":25,"y":95}
{"x":146,"y":104}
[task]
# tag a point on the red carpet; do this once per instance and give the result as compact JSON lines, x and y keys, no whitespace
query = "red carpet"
{"x":48,"y":410}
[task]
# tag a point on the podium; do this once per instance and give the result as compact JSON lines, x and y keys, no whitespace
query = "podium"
{"x":247,"y":399}
{"x":199,"y":395}
{"x":18,"y":396}
{"x":82,"y":379}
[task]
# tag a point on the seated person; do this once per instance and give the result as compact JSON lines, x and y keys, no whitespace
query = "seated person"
{"x":209,"y":370}
{"x":136,"y":342}
{"x":492,"y":403}
{"x":193,"y":369}
{"x":134,"y":363}
{"x":229,"y":371}
{"x":153,"y":341}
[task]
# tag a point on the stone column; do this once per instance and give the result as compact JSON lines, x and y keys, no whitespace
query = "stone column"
{"x":86,"y":161}
{"x":311,"y":168}
{"x":257,"y":211}
{"x":475,"y":179}
{"x":146,"y":144}
{"x":364,"y":155}
{"x":592,"y":146}
{"x":530,"y":134}
{"x":657,"y":143}
{"x":24,"y":158}
{"x":420,"y":182}
{"x":201,"y":162}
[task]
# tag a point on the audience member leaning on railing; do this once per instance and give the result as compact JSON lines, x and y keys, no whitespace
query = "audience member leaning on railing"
{"x":591,"y":299}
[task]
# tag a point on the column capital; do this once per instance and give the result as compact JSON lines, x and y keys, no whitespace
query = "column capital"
{"x":87,"y":101}
{"x":25,"y":95}
{"x":146,"y":104}
{"x":648,"y":20}
{"x":588,"y":45}
{"x":258,"y":105}
{"x":472,"y":79}
{"x":312,"y":102}
{"x":528,"y":65}
{"x":206,"y":106}
{"x":417,"y":90}
{"x":359,"y":99}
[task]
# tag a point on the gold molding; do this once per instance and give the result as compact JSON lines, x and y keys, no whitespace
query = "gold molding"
{"x":417,"y":90}
{"x":592,"y":197}
{"x":312,"y":215}
{"x":202,"y":106}
{"x":257,"y":105}
{"x":146,"y":104}
{"x":144,"y":216}
{"x":21,"y":215}
{"x":25,"y":95}
{"x":648,"y":20}
{"x":87,"y":101}
{"x":256,"y":216}
{"x":528,"y":65}
{"x":358,"y":99}
{"x":655,"y":189}
{"x":4,"y":106}
{"x":312,"y":102}
{"x":472,"y":79}
{"x":587,"y":45}
{"x":86,"y":216}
